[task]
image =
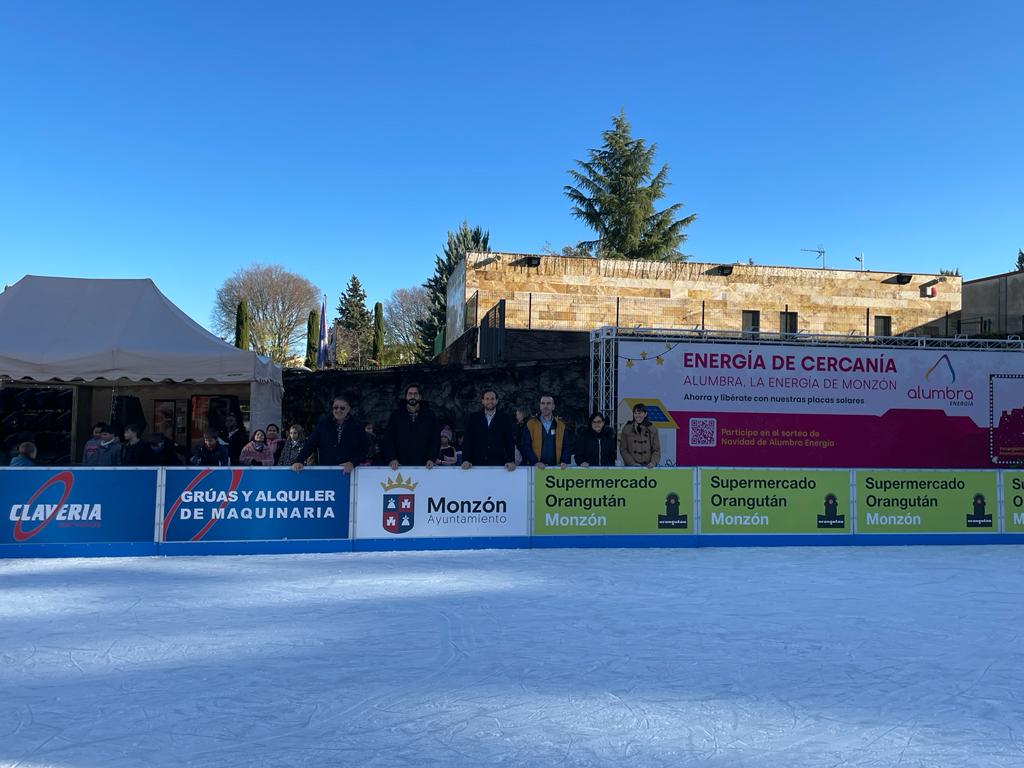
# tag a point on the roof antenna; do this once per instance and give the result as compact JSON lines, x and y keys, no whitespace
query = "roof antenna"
{"x":820,"y":250}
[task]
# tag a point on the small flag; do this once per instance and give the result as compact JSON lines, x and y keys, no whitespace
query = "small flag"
{"x":321,"y":344}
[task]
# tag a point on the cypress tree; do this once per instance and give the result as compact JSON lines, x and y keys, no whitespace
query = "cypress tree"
{"x":378,"y":333}
{"x":312,"y":337}
{"x":242,"y":326}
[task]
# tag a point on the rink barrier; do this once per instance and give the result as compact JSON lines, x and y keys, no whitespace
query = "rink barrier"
{"x":86,"y":511}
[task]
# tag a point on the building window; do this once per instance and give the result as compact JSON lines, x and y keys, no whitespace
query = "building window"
{"x":883,"y":325}
{"x":751,"y":324}
{"x":986,"y":325}
{"x":787,"y":322}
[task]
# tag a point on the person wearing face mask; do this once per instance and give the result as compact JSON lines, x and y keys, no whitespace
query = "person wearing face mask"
{"x":104,"y":450}
{"x":412,"y":437}
{"x":257,"y":453}
{"x":292,"y":447}
{"x":338,"y":440}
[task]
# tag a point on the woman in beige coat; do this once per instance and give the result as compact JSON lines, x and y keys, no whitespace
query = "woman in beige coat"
{"x":638,"y":443}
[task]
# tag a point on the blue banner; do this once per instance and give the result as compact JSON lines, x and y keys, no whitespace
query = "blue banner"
{"x":255,"y":504}
{"x":77,"y":506}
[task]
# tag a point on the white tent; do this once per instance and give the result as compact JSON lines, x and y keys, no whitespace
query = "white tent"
{"x":61,"y":329}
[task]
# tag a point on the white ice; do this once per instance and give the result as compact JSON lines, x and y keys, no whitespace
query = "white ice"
{"x":783,"y":657}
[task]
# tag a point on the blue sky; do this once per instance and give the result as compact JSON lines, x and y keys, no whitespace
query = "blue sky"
{"x":181,"y":141}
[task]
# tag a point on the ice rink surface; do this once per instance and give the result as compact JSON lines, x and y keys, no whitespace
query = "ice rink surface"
{"x":783,"y":657}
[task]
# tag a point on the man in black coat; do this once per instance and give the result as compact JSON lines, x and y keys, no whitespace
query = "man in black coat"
{"x":338,"y":441}
{"x":412,"y":437}
{"x":234,"y":437}
{"x":490,"y":436}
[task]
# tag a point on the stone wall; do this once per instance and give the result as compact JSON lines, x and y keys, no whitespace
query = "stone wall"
{"x":452,"y":390}
{"x":555,"y":292}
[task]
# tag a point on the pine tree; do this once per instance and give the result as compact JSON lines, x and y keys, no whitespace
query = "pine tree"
{"x":378,"y":333}
{"x":355,"y":321}
{"x":312,"y":338}
{"x":1020,"y":260}
{"x":614,"y":194}
{"x":242,"y":326}
{"x":464,"y":240}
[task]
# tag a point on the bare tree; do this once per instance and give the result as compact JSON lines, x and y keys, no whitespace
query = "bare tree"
{"x":402,"y":312}
{"x":279,"y":304}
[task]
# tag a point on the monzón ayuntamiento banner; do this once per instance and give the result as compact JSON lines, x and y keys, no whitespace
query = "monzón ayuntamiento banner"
{"x":255,"y":504}
{"x":612,"y":501}
{"x":778,"y":405}
{"x":444,"y":502}
{"x":77,"y":506}
{"x":779,"y":501}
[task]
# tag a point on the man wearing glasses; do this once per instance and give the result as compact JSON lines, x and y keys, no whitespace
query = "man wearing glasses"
{"x":338,"y":441}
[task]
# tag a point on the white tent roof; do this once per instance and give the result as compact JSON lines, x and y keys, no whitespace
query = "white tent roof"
{"x":72,"y":329}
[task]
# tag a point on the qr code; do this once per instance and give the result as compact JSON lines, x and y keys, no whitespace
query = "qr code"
{"x":703,"y":433}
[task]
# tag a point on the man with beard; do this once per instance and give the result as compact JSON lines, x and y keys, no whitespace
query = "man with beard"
{"x":545,"y":441}
{"x":490,"y":436}
{"x":411,"y":437}
{"x":234,"y":437}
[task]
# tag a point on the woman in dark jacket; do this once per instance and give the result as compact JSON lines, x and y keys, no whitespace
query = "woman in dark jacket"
{"x":596,"y":446}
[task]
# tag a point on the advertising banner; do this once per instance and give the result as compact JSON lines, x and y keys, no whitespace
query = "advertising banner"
{"x":607,"y":501}
{"x":775,"y":501}
{"x":255,"y":504}
{"x":444,"y":502}
{"x":951,"y":501}
{"x":764,"y":405}
{"x":1013,"y":501}
{"x":77,"y":506}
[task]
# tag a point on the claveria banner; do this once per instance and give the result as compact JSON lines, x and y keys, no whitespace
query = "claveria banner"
{"x":622,"y":501}
{"x":926,"y":502}
{"x":1013,"y":501}
{"x":65,"y":506}
{"x":775,"y":501}
{"x":255,"y":504}
{"x":413,"y":502}
{"x":763,"y":405}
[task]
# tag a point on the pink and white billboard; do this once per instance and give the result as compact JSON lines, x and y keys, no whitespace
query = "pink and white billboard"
{"x":802,"y":406}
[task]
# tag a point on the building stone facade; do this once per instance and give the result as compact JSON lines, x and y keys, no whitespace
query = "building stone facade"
{"x":993,"y":304}
{"x":563,"y":293}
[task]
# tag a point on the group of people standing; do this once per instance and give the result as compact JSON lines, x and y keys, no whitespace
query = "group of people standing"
{"x":413,"y":437}
{"x":491,"y":438}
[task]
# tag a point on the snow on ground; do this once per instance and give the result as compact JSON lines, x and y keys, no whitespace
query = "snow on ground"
{"x":785,"y":658}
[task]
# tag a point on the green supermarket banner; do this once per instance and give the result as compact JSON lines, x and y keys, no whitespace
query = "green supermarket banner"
{"x":775,"y":501}
{"x":953,"y":501}
{"x":613,"y":501}
{"x":1013,"y":501}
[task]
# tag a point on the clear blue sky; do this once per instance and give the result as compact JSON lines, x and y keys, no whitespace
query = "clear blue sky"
{"x":181,"y":141}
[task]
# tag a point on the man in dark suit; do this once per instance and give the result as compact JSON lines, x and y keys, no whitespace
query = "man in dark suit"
{"x":490,"y":436}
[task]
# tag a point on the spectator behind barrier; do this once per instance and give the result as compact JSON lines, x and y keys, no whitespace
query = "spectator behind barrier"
{"x":134,"y":452}
{"x":26,"y":456}
{"x":595,"y":446}
{"x":412,"y":437}
{"x":338,"y":440}
{"x":234,"y":437}
{"x":490,"y":436}
{"x":211,"y":453}
{"x":257,"y":452}
{"x":275,"y":442}
{"x":292,"y":447}
{"x":103,"y":450}
{"x":639,"y":444}
{"x":545,"y":440}
{"x":446,"y":452}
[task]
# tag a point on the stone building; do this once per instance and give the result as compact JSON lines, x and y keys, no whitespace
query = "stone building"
{"x":557,"y":293}
{"x":993,"y":304}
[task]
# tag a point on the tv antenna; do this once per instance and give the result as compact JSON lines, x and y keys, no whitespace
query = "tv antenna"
{"x":820,"y":250}
{"x":860,"y":260}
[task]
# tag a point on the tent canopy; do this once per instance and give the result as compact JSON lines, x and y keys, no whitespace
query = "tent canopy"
{"x":73,"y":329}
